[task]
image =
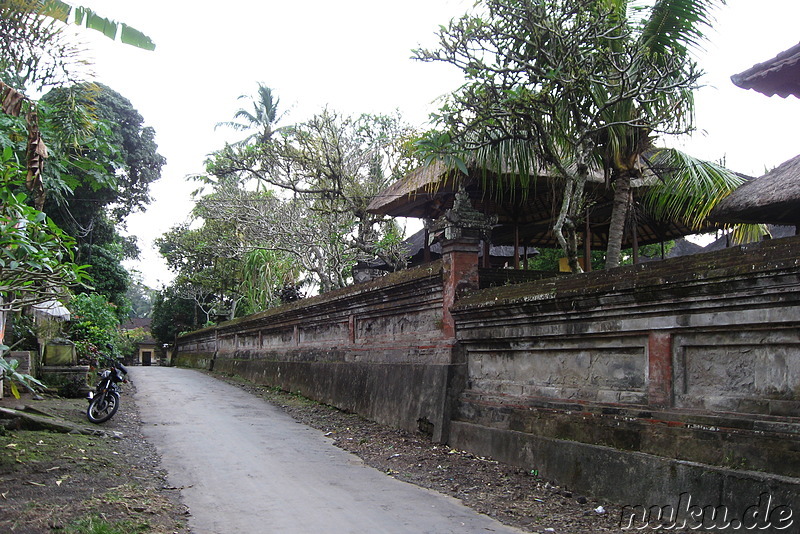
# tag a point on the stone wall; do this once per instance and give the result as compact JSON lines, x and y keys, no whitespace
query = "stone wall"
{"x":638,"y":384}
{"x":379,"y":349}
{"x":623,"y":383}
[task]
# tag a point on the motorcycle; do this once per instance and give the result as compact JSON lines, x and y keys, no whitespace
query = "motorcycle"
{"x":104,"y":400}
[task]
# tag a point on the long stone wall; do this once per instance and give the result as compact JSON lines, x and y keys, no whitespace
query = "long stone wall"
{"x":639,"y":385}
{"x":644,"y":382}
{"x":379,"y":349}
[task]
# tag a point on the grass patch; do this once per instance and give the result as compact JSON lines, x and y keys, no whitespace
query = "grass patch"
{"x":27,"y":448}
{"x":97,"y":525}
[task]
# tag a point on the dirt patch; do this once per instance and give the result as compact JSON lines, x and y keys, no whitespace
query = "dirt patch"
{"x":71,"y":483}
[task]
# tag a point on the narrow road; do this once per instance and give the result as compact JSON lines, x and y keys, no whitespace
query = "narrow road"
{"x":245,"y":466}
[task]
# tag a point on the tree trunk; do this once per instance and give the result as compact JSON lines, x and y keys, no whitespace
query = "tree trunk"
{"x":565,"y":227}
{"x":619,"y":214}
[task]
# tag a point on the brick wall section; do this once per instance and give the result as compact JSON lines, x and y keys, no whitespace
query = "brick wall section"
{"x":659,"y":377}
{"x":728,"y":319}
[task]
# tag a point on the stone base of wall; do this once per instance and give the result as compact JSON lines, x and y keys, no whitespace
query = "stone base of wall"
{"x":739,"y":441}
{"x":410,"y":396}
{"x":634,"y":479}
{"x":194,"y":360}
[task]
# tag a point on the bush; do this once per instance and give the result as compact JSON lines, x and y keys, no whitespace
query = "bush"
{"x":94,"y":326}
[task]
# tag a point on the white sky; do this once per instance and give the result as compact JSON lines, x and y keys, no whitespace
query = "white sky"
{"x":354,"y":57}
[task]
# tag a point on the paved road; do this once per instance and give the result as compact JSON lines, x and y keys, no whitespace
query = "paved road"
{"x":245,"y":466}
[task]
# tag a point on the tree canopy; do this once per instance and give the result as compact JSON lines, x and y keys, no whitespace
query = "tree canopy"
{"x":284,"y":209}
{"x":304,"y":192}
{"x":568,"y":88}
{"x":36,"y":257}
{"x":108,"y":157}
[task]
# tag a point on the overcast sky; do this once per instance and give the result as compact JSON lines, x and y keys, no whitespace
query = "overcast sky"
{"x":354,"y":57}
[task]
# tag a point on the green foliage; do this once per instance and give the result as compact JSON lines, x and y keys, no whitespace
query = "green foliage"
{"x":265,"y":276}
{"x":548,"y":258}
{"x":689,"y":189}
{"x":94,"y":325}
{"x":109,"y":277}
{"x":82,"y":157}
{"x":13,"y":134}
{"x":172,"y":315}
{"x":140,"y":296}
{"x":36,"y":257}
{"x":23,"y":332}
{"x":71,"y":387}
{"x":206,"y":261}
{"x":110,"y":157}
{"x":8,"y":369}
{"x":83,"y":16}
{"x":98,"y":525}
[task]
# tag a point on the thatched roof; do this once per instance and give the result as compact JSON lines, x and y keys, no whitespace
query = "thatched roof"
{"x":780,"y":75}
{"x":411,"y":195}
{"x":429,"y":191}
{"x":773,"y":198}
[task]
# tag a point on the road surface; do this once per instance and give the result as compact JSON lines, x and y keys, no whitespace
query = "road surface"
{"x":245,"y":466}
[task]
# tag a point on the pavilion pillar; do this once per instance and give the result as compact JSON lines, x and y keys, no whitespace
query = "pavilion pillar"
{"x":587,"y":245}
{"x":426,"y":254}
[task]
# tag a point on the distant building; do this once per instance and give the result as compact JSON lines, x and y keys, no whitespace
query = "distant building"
{"x":148,"y":351}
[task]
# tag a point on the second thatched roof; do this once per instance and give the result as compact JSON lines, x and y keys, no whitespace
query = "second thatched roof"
{"x":771,"y":199}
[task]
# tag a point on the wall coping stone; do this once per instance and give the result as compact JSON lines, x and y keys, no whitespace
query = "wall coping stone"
{"x":300,"y":308}
{"x":770,"y":256}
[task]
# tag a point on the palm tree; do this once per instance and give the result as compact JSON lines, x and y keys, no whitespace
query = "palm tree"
{"x":689,"y":189}
{"x":260,"y":120}
{"x":664,"y":39}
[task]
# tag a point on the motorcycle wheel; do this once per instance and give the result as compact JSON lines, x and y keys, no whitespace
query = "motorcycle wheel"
{"x":103,"y":407}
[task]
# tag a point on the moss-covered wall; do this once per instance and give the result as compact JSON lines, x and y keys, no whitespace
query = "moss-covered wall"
{"x":695,"y":359}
